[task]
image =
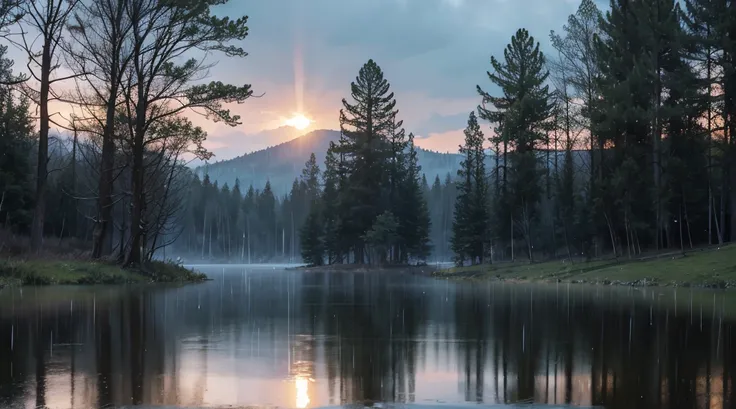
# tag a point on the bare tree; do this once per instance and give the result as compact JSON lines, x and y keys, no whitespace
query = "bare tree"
{"x":47,"y":19}
{"x":166,"y":180}
{"x":99,"y":47}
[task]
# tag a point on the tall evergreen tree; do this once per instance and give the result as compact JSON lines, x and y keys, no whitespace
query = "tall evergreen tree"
{"x":522,"y":113}
{"x":643,"y":98}
{"x":470,"y":222}
{"x":331,"y":206}
{"x":712,"y":28}
{"x":312,"y":231}
{"x":365,"y":125}
{"x":414,"y":220}
{"x":16,"y":129}
{"x":266,"y":205}
{"x":311,"y":178}
{"x":311,"y":236}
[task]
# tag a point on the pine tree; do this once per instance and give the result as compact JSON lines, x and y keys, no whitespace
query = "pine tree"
{"x":365,"y":127}
{"x":266,"y":209}
{"x":470,"y":221}
{"x":436,"y":210}
{"x":643,"y":72}
{"x":311,"y":178}
{"x":382,"y":236}
{"x":16,"y":129}
{"x":480,"y":204}
{"x":522,"y":115}
{"x":331,"y":217}
{"x":712,"y":29}
{"x":311,"y":237}
{"x":684,"y":103}
{"x":414,"y":220}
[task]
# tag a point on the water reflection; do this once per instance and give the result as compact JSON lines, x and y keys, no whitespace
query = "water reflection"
{"x":306,"y":340}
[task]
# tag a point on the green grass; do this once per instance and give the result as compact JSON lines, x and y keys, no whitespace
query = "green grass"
{"x":711,"y":268}
{"x":49,"y":272}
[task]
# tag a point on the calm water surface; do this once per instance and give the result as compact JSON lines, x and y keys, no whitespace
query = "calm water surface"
{"x":305,"y":340}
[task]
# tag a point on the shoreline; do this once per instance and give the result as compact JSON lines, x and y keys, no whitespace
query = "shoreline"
{"x":426,"y":270}
{"x":41,"y":272}
{"x":713,"y":268}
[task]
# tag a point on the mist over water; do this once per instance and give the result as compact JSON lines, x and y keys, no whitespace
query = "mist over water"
{"x":269,"y":337}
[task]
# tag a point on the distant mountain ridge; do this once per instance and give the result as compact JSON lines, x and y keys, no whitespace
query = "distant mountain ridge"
{"x":282,"y":163}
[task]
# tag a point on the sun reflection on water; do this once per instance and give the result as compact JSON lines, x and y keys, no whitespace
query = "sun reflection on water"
{"x":302,"y":392}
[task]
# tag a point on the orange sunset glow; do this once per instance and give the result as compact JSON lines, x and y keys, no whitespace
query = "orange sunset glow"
{"x":298,"y":121}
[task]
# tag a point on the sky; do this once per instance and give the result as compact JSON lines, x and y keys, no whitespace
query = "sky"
{"x":303,"y":55}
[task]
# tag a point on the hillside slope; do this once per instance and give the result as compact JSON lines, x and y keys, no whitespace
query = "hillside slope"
{"x":282,"y":163}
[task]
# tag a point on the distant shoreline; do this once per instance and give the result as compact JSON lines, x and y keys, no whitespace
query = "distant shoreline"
{"x":703,"y":268}
{"x":426,"y":270}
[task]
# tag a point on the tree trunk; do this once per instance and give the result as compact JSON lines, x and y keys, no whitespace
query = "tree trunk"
{"x":656,"y":138}
{"x":39,"y":210}
{"x":138,"y":199}
{"x":724,"y":189}
{"x":75,"y":219}
{"x":121,"y":251}
{"x":611,"y":233}
{"x":730,"y":103}
{"x":512,"y":237}
{"x":709,"y":62}
{"x":682,"y":242}
{"x":107,"y":163}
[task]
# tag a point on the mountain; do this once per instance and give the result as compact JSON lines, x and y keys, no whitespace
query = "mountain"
{"x":221,"y":144}
{"x":282,"y":163}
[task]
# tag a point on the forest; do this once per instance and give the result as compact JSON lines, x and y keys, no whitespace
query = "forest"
{"x":115,"y":187}
{"x":618,"y":141}
{"x":647,"y":90}
{"x":254,"y":225}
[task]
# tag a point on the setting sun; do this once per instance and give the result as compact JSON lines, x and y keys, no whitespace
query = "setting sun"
{"x":298,"y":121}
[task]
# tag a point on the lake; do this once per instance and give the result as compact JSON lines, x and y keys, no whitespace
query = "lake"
{"x":266,"y":337}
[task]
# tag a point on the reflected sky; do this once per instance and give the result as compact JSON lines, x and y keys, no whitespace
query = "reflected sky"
{"x":306,"y":340}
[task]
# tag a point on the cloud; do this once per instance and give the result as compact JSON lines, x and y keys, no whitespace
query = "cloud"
{"x":433,"y":52}
{"x":304,"y":54}
{"x":438,"y":123}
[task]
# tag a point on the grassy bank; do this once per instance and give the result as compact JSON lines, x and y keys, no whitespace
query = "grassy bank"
{"x":47,"y":272}
{"x":714,"y":267}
